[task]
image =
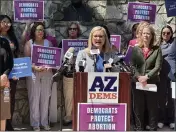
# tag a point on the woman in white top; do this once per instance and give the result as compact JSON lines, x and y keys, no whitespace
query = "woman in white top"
{"x":39,"y":85}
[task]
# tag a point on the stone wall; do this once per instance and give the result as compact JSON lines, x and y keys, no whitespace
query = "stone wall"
{"x":113,"y":13}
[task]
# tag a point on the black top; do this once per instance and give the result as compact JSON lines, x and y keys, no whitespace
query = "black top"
{"x":6,"y":57}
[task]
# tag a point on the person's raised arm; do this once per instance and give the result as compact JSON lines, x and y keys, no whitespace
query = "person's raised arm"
{"x":25,"y":34}
{"x":27,"y":49}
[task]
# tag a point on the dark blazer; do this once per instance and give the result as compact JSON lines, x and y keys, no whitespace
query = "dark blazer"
{"x":150,"y":66}
{"x":6,"y":57}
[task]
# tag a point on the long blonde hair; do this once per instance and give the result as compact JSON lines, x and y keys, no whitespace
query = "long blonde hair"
{"x":152,"y":41}
{"x":142,"y":24}
{"x":106,"y":47}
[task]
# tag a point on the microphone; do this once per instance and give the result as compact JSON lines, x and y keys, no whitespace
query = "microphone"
{"x":94,"y":52}
{"x":108,"y":65}
{"x":82,"y":65}
{"x":68,"y":55}
{"x":118,"y":65}
{"x":65,"y":65}
{"x":125,"y":66}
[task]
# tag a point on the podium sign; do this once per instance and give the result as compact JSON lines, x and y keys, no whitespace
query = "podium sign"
{"x":103,"y":87}
{"x":80,"y":94}
{"x":101,"y":117}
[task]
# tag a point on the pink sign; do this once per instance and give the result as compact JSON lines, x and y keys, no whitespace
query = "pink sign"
{"x":101,"y":117}
{"x":116,"y":40}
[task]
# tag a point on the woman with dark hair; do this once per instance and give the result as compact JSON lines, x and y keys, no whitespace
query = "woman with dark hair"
{"x":39,"y":85}
{"x":6,"y":65}
{"x":26,"y":35}
{"x":114,"y":48}
{"x":134,"y":28}
{"x":166,"y":103}
{"x":8,"y":33}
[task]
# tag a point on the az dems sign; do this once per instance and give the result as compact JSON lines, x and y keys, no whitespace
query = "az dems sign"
{"x":103,"y":87}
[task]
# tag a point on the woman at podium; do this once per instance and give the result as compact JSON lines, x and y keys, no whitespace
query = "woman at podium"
{"x":146,"y":60}
{"x":98,"y":51}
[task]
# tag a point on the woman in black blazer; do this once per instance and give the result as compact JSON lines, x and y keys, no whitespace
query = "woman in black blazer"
{"x":6,"y":65}
{"x":146,"y":60}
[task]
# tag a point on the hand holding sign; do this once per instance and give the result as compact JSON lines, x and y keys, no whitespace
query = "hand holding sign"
{"x":38,"y":68}
{"x":15,"y":78}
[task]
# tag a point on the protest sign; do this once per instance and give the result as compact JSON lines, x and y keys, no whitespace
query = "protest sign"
{"x":28,"y":10}
{"x":127,"y":57}
{"x":46,"y":56}
{"x":101,"y":117}
{"x":22,"y":68}
{"x":138,"y":11}
{"x":116,"y":41}
{"x":170,"y":7}
{"x":78,"y":44}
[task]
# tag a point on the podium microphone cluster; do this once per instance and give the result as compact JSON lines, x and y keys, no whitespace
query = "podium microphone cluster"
{"x":82,"y":65}
{"x":64,"y":66}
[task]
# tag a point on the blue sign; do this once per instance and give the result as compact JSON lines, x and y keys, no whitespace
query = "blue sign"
{"x":22,"y":68}
{"x":170,"y":7}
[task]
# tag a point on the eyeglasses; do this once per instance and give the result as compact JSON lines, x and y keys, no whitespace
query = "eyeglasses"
{"x":6,"y":23}
{"x":39,"y":30}
{"x":74,"y":29}
{"x":166,"y":33}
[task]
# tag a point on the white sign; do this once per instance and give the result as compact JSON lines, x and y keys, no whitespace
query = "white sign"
{"x":103,"y":87}
{"x":148,"y":87}
{"x":173,"y":89}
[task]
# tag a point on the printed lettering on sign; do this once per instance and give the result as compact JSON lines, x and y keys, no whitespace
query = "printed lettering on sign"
{"x":103,"y":87}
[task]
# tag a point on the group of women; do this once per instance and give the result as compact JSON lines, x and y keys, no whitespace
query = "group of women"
{"x":153,"y":62}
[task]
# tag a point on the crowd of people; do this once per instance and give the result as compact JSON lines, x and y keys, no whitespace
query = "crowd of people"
{"x":153,"y":62}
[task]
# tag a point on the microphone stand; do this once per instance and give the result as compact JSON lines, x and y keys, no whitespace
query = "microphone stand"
{"x":58,"y":77}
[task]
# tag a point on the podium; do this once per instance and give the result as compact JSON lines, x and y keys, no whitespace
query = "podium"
{"x":80,"y":94}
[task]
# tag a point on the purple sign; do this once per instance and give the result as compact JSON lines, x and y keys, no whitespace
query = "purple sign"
{"x":127,"y":57}
{"x":78,"y":44}
{"x":28,"y":10}
{"x":141,"y":12}
{"x":116,"y":40}
{"x":46,"y":56}
{"x":101,"y":117}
